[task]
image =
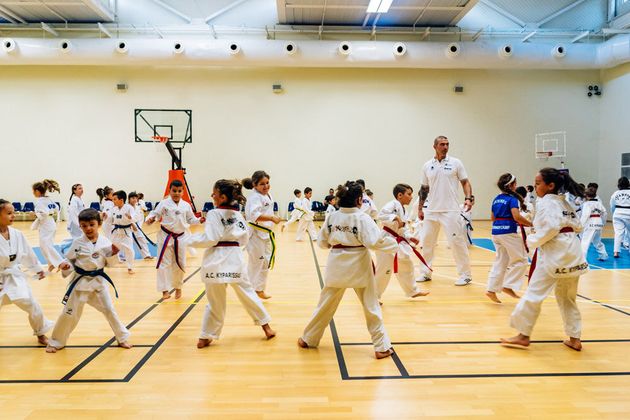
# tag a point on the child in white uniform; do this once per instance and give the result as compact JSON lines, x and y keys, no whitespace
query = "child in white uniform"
{"x":593,"y":219}
{"x":225,"y":233}
{"x":106,"y":195}
{"x":139,"y":236}
{"x":122,"y":215}
{"x":306,"y":221}
{"x":332,"y":203}
{"x":261,"y":248}
{"x":175,"y":216}
{"x":75,"y":205}
{"x":620,"y":209}
{"x":394,"y":219}
{"x":297,"y":211}
{"x":14,"y":288}
{"x":87,"y":258}
{"x":367,"y":204}
{"x":558,"y":262}
{"x":45,"y":210}
{"x":351,"y":234}
{"x":510,"y":262}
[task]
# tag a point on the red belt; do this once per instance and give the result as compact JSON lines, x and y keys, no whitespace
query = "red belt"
{"x":523,"y":234}
{"x":400,"y":239}
{"x":226,"y":243}
{"x":595,"y":215}
{"x":532,"y":267}
{"x":175,"y":237}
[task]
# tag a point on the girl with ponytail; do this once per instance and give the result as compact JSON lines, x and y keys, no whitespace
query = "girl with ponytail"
{"x":45,"y":210}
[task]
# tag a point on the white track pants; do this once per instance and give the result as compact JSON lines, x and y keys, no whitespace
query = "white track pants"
{"x":621,"y":225}
{"x":385,"y":268}
{"x":303,"y":226}
{"x":594,"y":236}
{"x":169,"y":275}
{"x":71,"y":314}
{"x":47,"y":246}
{"x":259,"y":253}
{"x":39,"y":324}
{"x":451,"y":222}
{"x":510,"y":263}
{"x":214,"y":315}
{"x":540,"y":286}
{"x":125,"y":244}
{"x":143,"y":244}
{"x":329,"y":301}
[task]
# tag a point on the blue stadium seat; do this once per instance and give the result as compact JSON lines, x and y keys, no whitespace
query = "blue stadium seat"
{"x":207,"y":206}
{"x":17,"y":206}
{"x":275,"y":206}
{"x":28,"y":206}
{"x":291,"y":207}
{"x":95,"y":205}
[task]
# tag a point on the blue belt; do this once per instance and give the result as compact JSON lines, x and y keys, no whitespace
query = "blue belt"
{"x":84,"y":273}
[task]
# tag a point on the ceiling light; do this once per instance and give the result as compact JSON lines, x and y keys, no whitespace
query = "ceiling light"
{"x":379,"y":6}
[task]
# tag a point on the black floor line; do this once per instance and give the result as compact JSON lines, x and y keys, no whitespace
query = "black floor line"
{"x":87,"y":346}
{"x":426,"y":343}
{"x":604,"y":305}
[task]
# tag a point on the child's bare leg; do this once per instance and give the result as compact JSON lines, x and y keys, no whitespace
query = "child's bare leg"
{"x":42,"y":339}
{"x":511,"y":292}
{"x":383,"y":354}
{"x":573,"y":343}
{"x":268,"y":331}
{"x":125,"y":345}
{"x":493,"y":297}
{"x":166,"y":295}
{"x":203,"y":342}
{"x":178,"y":293}
{"x":518,"y":341}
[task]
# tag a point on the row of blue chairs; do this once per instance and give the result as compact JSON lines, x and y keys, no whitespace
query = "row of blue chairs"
{"x":97,"y":206}
{"x":209,"y":205}
{"x":27,"y":207}
{"x":316,"y":206}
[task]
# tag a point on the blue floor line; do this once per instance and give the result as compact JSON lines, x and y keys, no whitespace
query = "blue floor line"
{"x":621,"y":263}
{"x":64,"y":247}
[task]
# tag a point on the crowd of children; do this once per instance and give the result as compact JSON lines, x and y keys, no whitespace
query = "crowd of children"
{"x":543,"y":222}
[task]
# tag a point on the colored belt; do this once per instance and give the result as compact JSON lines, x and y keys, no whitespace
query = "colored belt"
{"x":400,"y":239}
{"x":469,"y":228}
{"x":341,"y":246}
{"x":175,"y":237}
{"x":226,"y":243}
{"x":85,"y":273}
{"x":272,"y":238}
{"x":532,"y":267}
{"x":622,"y":207}
{"x":123,"y":227}
{"x":522,"y":229}
{"x":143,"y":234}
{"x":595,"y":215}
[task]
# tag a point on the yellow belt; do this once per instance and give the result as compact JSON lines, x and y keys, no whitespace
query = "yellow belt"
{"x":272,"y":238}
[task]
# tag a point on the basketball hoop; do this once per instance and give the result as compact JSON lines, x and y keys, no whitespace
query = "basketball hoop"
{"x":160,"y":139}
{"x":544,"y":155}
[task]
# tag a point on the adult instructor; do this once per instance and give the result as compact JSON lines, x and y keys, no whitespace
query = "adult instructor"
{"x":440,"y":179}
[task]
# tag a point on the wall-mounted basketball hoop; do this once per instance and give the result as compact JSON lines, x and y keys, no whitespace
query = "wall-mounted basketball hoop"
{"x":551,"y":145}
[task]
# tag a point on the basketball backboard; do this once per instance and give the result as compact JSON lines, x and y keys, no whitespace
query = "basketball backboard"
{"x":175,"y":124}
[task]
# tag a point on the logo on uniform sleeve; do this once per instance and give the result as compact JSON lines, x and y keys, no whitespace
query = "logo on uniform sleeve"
{"x":95,"y":255}
{"x":177,"y":212}
{"x":12,"y":257}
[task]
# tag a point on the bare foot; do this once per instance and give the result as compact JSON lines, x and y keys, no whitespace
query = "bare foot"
{"x":573,"y":343}
{"x":51,"y":349}
{"x":130,"y":271}
{"x":511,"y":292}
{"x":420,"y":294}
{"x":150,"y":257}
{"x":125,"y":345}
{"x":203,"y":342}
{"x":52,"y":267}
{"x":166,"y":295}
{"x":302,"y":343}
{"x":383,"y":354}
{"x":42,"y":339}
{"x":380,"y":303}
{"x":262,"y":294}
{"x":178,"y":293}
{"x":616,"y":255}
{"x":268,"y":331}
{"x":518,"y":342}
{"x":493,"y":297}
{"x":282,"y":228}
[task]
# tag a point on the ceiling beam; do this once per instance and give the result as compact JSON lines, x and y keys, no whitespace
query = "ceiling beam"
{"x":7,"y":18}
{"x":580,"y":36}
{"x":104,"y":30}
{"x":360,"y":7}
{"x":281,"y":7}
{"x":503,"y":12}
{"x":13,"y":15}
{"x":415,"y":22}
{"x":477,"y":34}
{"x":465,"y":10}
{"x":54,"y":12}
{"x":559,"y":12}
{"x":172,"y":10}
{"x":529,"y":35}
{"x":97,"y":8}
{"x":48,"y":29}
{"x":367,"y":19}
{"x":224,"y":10}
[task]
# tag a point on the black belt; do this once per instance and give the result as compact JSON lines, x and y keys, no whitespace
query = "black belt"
{"x":622,"y":207}
{"x":123,"y":227}
{"x":84,"y":273}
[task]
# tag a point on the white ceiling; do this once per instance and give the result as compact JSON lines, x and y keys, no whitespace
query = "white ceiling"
{"x":49,"y":11}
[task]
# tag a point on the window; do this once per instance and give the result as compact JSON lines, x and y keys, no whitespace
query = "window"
{"x":625,"y":165}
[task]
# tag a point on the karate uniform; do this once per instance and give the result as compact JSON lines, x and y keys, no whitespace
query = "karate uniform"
{"x":225,"y":233}
{"x":14,"y":287}
{"x":403,"y":255}
{"x":510,"y":261}
{"x":368,"y":207}
{"x":329,"y":210}
{"x":106,"y":207}
{"x":350,"y":268}
{"x":444,"y":179}
{"x":306,"y":221}
{"x":175,"y":218}
{"x":259,"y":248}
{"x":620,"y":208}
{"x":45,"y":208}
{"x":593,"y":219}
{"x":75,"y":207}
{"x":560,"y":263}
{"x":93,"y":290}
{"x":122,"y":231}
{"x":295,"y":214}
{"x":139,"y":236}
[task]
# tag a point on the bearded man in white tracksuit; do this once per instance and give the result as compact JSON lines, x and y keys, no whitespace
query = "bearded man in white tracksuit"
{"x":440,"y":178}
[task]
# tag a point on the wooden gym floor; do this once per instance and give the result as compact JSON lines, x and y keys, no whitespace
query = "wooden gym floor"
{"x":447,"y":361}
